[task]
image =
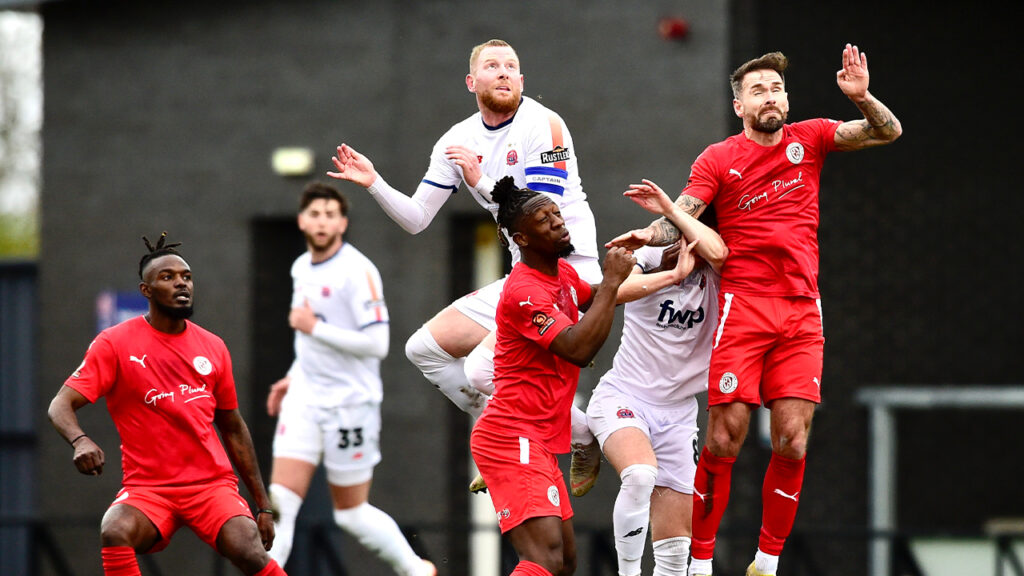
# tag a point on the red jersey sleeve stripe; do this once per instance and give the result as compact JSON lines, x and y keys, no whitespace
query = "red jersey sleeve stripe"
{"x":375,"y":295}
{"x":556,"y":137}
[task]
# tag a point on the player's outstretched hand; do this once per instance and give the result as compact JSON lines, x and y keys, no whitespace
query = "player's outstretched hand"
{"x":685,"y":260}
{"x":618,"y":264}
{"x":853,"y":77}
{"x":650,"y":197}
{"x":277,"y":392}
{"x":352,"y":166}
{"x":631,"y":240}
{"x":89,"y":457}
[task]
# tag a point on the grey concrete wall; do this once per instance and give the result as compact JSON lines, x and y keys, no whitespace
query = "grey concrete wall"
{"x":164,"y":115}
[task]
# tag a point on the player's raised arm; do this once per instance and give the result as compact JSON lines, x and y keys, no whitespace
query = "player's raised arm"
{"x":653,"y":199}
{"x":413,"y":214}
{"x":879,"y":125}
{"x":580,"y":342}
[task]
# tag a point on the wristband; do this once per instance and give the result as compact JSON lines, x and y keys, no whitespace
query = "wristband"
{"x":264,"y":511}
{"x":76,"y":439}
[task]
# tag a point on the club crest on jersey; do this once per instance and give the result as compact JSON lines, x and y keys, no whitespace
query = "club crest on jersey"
{"x":512,"y":158}
{"x":202,"y":365}
{"x":795,"y":152}
{"x":553,"y":495}
{"x":624,"y":413}
{"x":542,"y":321}
{"x":325,"y":291}
{"x":728,"y":383}
{"x":556,"y":154}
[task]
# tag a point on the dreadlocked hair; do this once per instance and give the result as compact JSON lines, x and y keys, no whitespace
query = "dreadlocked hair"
{"x":162,"y":248}
{"x":510,"y":203}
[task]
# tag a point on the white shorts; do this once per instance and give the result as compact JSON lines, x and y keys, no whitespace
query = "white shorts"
{"x":671,"y":430}
{"x":346,"y":437}
{"x":481,"y":305}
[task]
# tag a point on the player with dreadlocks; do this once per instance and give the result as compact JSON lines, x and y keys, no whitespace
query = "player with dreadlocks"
{"x":541,"y":343}
{"x":168,"y":383}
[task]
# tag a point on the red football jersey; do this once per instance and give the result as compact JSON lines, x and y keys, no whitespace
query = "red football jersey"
{"x":766,"y":200}
{"x":534,"y":388}
{"x":162,"y":391}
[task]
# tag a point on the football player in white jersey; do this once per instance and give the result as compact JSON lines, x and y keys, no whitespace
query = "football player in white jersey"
{"x":511,"y":135}
{"x":328,"y":405}
{"x":644,"y":410}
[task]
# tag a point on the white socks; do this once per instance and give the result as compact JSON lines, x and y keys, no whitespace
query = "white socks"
{"x":631,"y":516}
{"x":444,"y":371}
{"x":766,"y":563}
{"x":287,"y":504}
{"x":379,"y":533}
{"x":700,"y":566}
{"x":670,"y":556}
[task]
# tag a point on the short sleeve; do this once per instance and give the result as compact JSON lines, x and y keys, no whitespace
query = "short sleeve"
{"x":97,"y":373}
{"x":225,"y":392}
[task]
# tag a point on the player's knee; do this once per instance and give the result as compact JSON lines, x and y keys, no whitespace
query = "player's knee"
{"x":123,"y":528}
{"x":479,"y":369}
{"x":638,"y":482}
{"x":792,"y":445}
{"x":239,"y":542}
{"x":424,"y":352}
{"x":642,"y":475}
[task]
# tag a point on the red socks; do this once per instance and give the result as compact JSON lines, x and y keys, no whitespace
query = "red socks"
{"x":780,"y":496}
{"x":119,"y":561}
{"x":710,"y":497}
{"x":527,"y":568}
{"x":272,"y":569}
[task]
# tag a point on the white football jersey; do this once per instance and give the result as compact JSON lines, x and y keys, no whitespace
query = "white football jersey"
{"x":343,"y":291}
{"x":535,"y":148}
{"x":665,"y":350}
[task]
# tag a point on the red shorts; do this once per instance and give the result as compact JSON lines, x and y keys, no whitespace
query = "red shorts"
{"x":202,"y":507}
{"x":766,"y":348}
{"x":523,"y":478}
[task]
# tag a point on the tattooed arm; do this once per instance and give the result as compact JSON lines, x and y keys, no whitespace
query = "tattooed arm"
{"x":661,"y":232}
{"x":880,"y":125}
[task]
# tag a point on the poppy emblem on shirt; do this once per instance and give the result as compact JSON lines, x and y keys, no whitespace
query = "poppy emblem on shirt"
{"x":325,"y":291}
{"x":624,"y":413}
{"x":512,"y":158}
{"x":542,"y":321}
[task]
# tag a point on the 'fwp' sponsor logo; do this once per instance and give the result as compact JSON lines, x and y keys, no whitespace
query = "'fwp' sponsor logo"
{"x":682,"y":319}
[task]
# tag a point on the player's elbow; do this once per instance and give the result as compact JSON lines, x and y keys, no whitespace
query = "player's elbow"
{"x":717,"y":255}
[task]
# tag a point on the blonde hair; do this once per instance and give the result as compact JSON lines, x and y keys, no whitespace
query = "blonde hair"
{"x":475,"y":54}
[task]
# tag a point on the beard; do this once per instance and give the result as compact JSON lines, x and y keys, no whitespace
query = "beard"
{"x":501,"y":106}
{"x":770,"y":125}
{"x":176,"y":312}
{"x":567,"y":251}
